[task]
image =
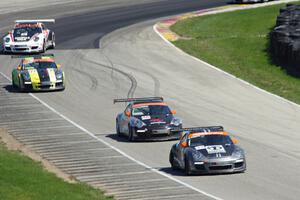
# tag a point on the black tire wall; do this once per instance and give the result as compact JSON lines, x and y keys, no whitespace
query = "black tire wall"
{"x":285,"y":40}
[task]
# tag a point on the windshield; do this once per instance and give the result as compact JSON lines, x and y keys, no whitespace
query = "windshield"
{"x":206,"y":140}
{"x":40,"y":65}
{"x":26,"y":32}
{"x":151,"y":110}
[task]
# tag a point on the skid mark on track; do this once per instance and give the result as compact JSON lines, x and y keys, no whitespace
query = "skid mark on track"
{"x":112,"y":67}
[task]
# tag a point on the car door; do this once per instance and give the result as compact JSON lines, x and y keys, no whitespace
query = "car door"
{"x":125,"y":120}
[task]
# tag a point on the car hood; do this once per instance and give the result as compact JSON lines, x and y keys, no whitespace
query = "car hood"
{"x":23,"y":38}
{"x":215,"y":151}
{"x":42,"y":75}
{"x":150,"y":120}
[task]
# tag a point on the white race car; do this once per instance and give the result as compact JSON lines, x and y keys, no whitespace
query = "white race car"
{"x":29,"y":36}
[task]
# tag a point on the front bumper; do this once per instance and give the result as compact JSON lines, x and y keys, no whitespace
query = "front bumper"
{"x":158,"y":134}
{"x":23,"y":48}
{"x":216,"y":166}
{"x":44,"y":86}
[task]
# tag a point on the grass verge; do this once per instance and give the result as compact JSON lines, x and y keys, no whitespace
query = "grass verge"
{"x":237,"y":42}
{"x":23,"y":179}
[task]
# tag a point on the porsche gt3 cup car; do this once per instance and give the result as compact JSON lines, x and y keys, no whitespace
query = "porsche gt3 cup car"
{"x":29,"y":36}
{"x":38,"y":73}
{"x":207,"y":150}
{"x":148,"y":118}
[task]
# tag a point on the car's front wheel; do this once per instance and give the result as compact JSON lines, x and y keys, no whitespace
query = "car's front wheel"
{"x":52,"y":40}
{"x":14,"y":85}
{"x":131,"y":134}
{"x":44,"y":47}
{"x":187,"y":168}
{"x":172,"y":161}
{"x":118,"y":129}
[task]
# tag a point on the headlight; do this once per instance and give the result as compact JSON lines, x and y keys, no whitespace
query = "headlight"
{"x":26,"y":77}
{"x":238,"y":153}
{"x":139,"y":124}
{"x":176,"y":121}
{"x":36,"y":39}
{"x":59,"y":75}
{"x":7,"y":40}
{"x":197,"y":156}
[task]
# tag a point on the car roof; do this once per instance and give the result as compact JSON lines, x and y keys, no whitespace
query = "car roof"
{"x":28,"y":24}
{"x":41,"y":59}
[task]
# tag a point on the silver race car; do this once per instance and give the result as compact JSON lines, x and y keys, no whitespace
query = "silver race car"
{"x":148,"y":118}
{"x":207,"y":150}
{"x":29,"y":36}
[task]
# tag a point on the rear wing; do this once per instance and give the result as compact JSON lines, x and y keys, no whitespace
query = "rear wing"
{"x":143,"y":99}
{"x":33,"y":56}
{"x":203,"y":129}
{"x":35,"y":21}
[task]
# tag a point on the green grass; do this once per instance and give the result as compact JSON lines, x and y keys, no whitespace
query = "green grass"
{"x":23,"y":179}
{"x":237,"y":42}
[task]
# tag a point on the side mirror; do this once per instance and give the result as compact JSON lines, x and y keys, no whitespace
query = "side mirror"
{"x":127,"y":114}
{"x":234,"y":141}
{"x":173,"y":112}
{"x":19,"y":67}
{"x":184,"y":144}
{"x":58,"y":66}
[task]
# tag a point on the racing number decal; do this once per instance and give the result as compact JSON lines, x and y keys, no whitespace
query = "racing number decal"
{"x":215,"y":149}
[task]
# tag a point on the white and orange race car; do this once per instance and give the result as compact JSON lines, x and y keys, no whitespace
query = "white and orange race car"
{"x":29,"y":36}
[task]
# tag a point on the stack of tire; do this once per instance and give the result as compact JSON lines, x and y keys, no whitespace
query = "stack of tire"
{"x":285,"y":39}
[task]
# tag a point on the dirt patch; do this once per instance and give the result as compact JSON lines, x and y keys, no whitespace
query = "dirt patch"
{"x":15,"y":145}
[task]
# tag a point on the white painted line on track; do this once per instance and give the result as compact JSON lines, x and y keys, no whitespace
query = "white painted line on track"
{"x":224,"y":72}
{"x":116,"y":191}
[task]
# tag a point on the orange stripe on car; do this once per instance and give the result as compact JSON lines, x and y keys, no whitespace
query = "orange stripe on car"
{"x":149,"y":104}
{"x":192,"y":135}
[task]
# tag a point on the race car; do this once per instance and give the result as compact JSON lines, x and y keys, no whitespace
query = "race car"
{"x":207,"y":150}
{"x":147,"y":118}
{"x":29,"y":36}
{"x":38,"y":73}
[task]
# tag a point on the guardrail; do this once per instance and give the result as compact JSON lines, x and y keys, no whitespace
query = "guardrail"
{"x":285,"y":39}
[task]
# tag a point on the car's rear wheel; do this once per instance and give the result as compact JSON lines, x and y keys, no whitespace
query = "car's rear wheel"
{"x":187,"y":168}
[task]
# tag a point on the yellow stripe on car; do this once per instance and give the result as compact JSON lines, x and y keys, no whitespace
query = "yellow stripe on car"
{"x":34,"y":76}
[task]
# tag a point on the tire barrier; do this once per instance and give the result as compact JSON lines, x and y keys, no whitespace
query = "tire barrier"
{"x":285,"y":40}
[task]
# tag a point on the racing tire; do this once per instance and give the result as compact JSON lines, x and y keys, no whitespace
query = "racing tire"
{"x":52,"y":40}
{"x":131,"y":134}
{"x":118,"y":129}
{"x":21,"y":85}
{"x":172,"y":161}
{"x":187,"y":168}
{"x":14,"y":84}
{"x":44,"y":47}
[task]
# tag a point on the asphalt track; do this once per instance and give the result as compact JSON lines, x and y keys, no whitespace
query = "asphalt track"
{"x":135,"y":61}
